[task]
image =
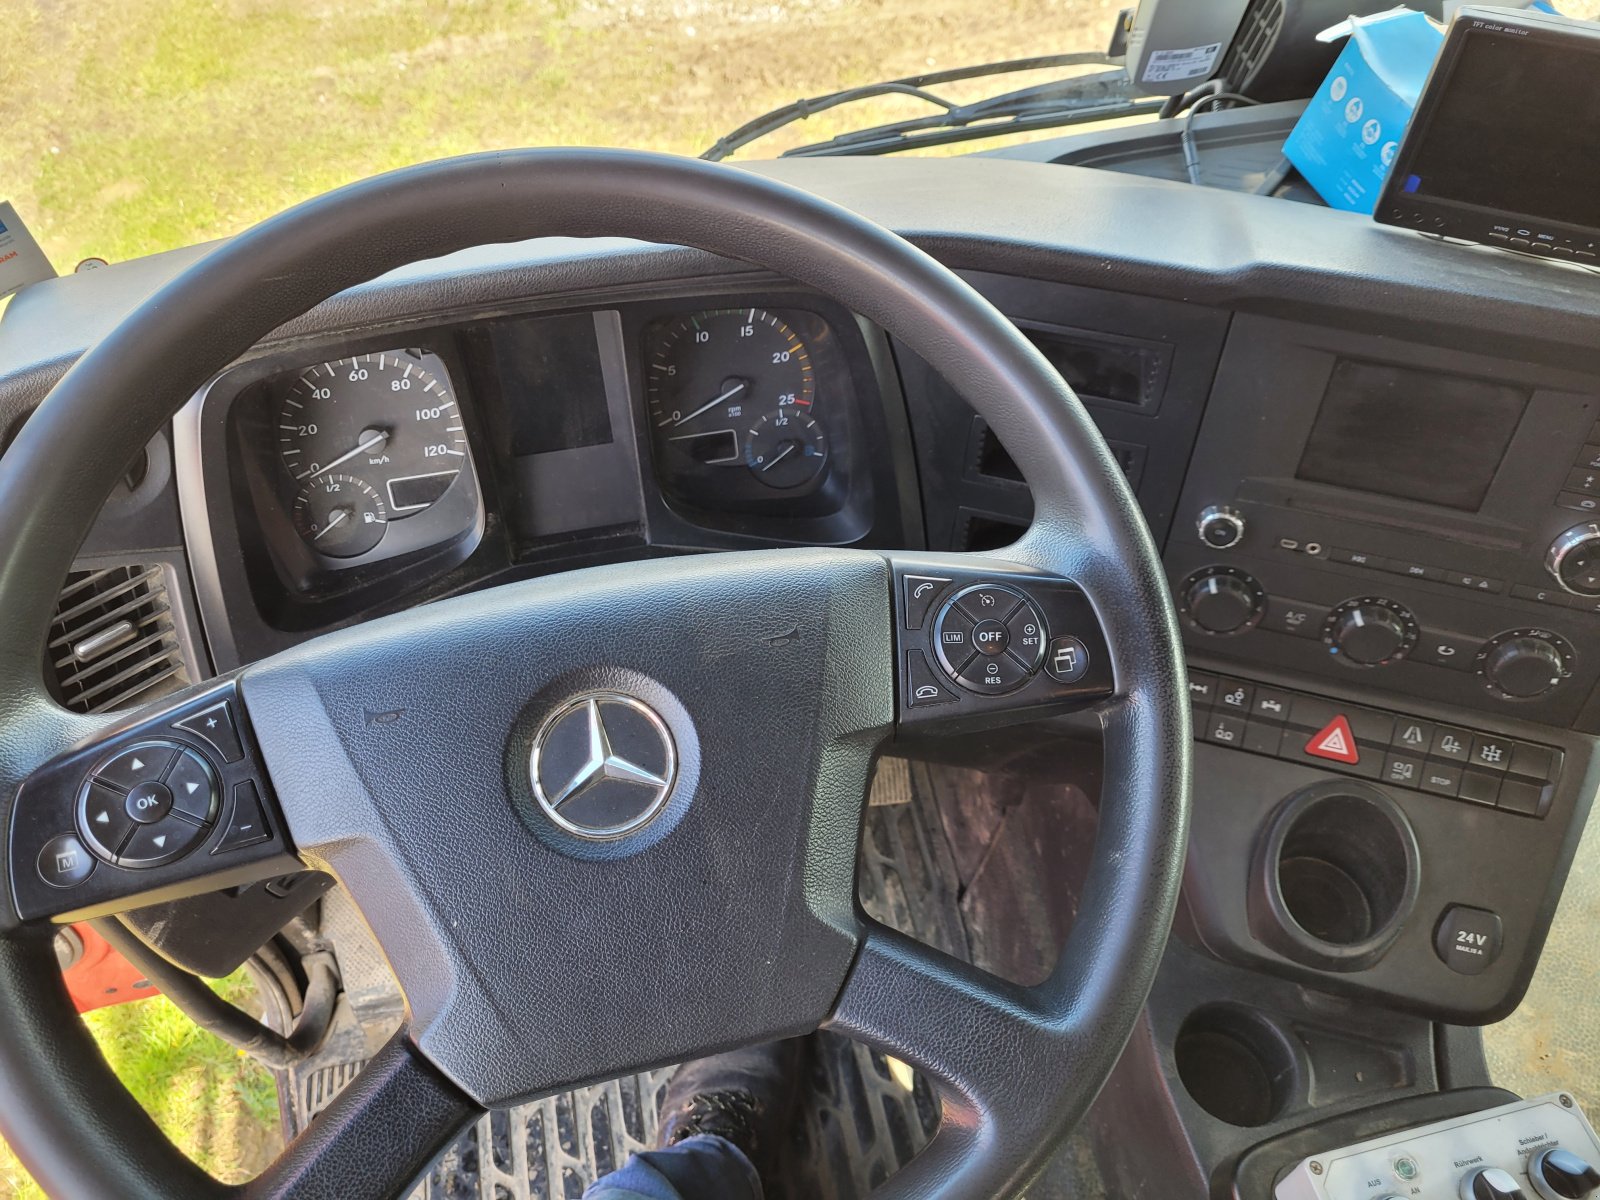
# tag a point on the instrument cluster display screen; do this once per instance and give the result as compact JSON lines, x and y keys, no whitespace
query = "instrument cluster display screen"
{"x":1413,"y":435}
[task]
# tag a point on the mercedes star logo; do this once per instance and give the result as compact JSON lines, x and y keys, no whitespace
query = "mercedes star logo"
{"x":603,"y":765}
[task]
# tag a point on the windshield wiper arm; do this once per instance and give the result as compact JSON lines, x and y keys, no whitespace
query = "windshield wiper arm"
{"x":1049,"y":100}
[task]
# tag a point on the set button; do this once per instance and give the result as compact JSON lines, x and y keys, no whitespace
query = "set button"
{"x":990,"y":638}
{"x":148,"y":805}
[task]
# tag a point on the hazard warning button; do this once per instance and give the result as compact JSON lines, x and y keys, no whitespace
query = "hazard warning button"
{"x":1335,"y":741}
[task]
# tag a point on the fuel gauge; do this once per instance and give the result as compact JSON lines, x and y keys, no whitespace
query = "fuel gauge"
{"x":786,"y":449}
{"x":340,"y":516}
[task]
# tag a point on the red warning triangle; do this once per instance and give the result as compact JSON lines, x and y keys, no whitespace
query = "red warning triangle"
{"x":1335,"y":741}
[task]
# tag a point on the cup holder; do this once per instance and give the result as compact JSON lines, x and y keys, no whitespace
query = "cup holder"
{"x":1235,"y":1065}
{"x":1335,"y":876}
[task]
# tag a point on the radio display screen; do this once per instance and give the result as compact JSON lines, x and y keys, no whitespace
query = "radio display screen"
{"x":1516,"y":130}
{"x":1413,"y":435}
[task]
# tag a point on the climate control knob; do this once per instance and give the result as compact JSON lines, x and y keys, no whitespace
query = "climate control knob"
{"x":1574,"y":559}
{"x":1523,"y":663}
{"x":1372,"y":632}
{"x":1220,"y":526}
{"x":1223,"y":600}
{"x":1558,"y":1174}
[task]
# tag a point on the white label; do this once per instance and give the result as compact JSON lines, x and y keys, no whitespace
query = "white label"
{"x":21,"y":260}
{"x":1164,"y":66}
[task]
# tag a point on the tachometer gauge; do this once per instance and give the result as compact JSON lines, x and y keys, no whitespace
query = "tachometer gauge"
{"x":387,"y":420}
{"x":709,"y":372}
{"x":786,"y":449}
{"x":340,"y":516}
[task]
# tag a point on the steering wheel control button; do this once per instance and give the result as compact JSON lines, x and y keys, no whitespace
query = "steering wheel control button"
{"x":923,"y":687}
{"x":215,"y":726}
{"x":1067,"y":661}
{"x":1000,"y":673}
{"x":153,"y":845}
{"x":145,"y":763}
{"x":64,"y":861}
{"x":953,"y":636}
{"x":990,"y":638}
{"x":1026,"y":631}
{"x":920,"y":593}
{"x":148,"y":803}
{"x":248,"y":824}
{"x":105,"y":822}
{"x":988,"y":603}
{"x":193,"y":788}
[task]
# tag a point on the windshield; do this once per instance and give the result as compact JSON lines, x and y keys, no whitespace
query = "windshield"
{"x":149,"y":124}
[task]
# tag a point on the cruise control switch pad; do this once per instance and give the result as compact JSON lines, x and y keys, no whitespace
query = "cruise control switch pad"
{"x":979,"y":640}
{"x":1543,"y":1149}
{"x":153,"y":808}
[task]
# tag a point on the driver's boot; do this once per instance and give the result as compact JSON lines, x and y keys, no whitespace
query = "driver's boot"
{"x":746,"y":1096}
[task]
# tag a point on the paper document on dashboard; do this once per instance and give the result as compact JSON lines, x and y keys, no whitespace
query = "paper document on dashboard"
{"x":21,"y":260}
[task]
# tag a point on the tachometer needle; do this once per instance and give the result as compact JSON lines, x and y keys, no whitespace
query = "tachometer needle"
{"x":337,"y":519}
{"x":780,"y":456}
{"x":375,"y":437}
{"x":710,"y":404}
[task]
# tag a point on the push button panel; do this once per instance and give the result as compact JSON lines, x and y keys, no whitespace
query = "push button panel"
{"x":151,"y":810}
{"x":1390,"y":748}
{"x":991,"y":641}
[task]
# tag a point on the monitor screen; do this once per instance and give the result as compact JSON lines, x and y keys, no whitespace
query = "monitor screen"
{"x":1414,"y":435}
{"x":1516,"y":129}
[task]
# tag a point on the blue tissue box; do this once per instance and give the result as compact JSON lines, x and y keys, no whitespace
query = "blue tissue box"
{"x":1351,"y":130}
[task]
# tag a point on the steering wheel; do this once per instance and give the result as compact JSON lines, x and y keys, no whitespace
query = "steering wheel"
{"x":533,"y":957}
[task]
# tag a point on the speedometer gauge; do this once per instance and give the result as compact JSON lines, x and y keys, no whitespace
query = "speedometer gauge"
{"x":385,"y":421}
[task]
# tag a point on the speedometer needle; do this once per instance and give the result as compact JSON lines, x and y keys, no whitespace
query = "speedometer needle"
{"x":375,"y":437}
{"x":710,"y":404}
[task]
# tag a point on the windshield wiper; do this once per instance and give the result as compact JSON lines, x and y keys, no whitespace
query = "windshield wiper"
{"x":1042,"y":106}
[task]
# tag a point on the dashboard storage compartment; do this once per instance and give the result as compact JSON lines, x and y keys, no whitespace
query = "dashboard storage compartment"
{"x":1336,"y":875}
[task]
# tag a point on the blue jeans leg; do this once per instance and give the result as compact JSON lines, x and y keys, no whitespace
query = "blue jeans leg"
{"x":703,"y":1167}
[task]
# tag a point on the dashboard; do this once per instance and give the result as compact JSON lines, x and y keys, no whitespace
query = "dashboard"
{"x":1369,"y":461}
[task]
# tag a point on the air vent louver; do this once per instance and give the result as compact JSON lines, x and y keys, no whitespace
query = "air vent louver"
{"x":112,"y":643}
{"x":1258,"y":31}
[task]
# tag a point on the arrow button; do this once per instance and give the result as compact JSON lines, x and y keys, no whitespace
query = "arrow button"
{"x":194,"y":789}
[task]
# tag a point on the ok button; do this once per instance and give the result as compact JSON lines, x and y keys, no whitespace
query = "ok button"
{"x":147,"y":803}
{"x":990,"y":637}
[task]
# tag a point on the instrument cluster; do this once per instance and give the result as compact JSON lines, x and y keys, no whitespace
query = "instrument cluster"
{"x":659,"y":421}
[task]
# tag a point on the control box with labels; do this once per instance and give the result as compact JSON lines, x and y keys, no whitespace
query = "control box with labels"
{"x":1543,"y":1149}
{"x":1410,"y":519}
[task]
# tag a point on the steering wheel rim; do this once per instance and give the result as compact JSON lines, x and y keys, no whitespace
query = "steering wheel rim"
{"x":1007,"y":1102}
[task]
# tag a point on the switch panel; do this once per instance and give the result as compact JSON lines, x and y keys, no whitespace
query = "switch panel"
{"x":1533,"y":1143}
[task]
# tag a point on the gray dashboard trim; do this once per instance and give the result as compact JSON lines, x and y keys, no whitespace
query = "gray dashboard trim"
{"x":1070,"y":224}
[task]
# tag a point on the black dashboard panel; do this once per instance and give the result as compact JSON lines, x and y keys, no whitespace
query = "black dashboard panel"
{"x":1462,"y":570}
{"x":1145,"y":366}
{"x":540,"y":445}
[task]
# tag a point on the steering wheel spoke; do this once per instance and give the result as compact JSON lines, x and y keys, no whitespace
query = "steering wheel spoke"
{"x":151,"y":806}
{"x":985,"y":641}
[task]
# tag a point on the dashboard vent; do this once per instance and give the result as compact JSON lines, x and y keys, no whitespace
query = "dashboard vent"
{"x":1259,"y":29}
{"x":112,"y":643}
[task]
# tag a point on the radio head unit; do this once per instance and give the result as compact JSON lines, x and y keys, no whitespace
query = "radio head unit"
{"x":1504,"y":148}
